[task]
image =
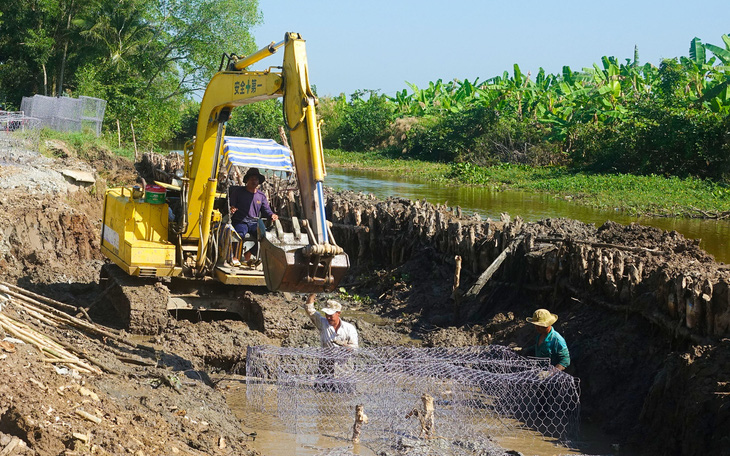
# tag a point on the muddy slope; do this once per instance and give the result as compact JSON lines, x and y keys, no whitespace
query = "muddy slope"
{"x":658,"y":389}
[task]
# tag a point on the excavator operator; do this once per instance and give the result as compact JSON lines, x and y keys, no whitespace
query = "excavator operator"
{"x":247,"y":205}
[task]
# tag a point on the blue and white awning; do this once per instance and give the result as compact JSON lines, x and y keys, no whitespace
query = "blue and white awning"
{"x":255,"y":153}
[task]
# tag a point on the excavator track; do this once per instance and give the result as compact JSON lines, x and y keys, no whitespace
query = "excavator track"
{"x":140,"y":302}
{"x":145,"y":305}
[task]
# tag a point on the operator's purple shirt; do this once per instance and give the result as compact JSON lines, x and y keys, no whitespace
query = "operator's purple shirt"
{"x":250,"y":205}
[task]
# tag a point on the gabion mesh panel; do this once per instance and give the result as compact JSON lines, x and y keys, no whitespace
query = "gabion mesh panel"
{"x":66,"y":114}
{"x":19,"y":130}
{"x":424,"y":400}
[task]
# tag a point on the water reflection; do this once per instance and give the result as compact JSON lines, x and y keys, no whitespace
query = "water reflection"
{"x":273,"y":438}
{"x":531,"y":207}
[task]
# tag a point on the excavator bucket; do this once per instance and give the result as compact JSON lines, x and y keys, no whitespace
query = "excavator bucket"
{"x":291,"y":263}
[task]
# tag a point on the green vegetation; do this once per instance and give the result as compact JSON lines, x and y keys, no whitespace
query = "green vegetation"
{"x":383,"y":161}
{"x":634,"y":194}
{"x":670,"y":120}
{"x":85,"y":145}
{"x":361,"y":124}
{"x":633,"y":136}
{"x":145,"y":57}
{"x":650,"y":194}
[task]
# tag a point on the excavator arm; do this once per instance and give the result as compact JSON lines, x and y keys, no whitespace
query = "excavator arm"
{"x":306,"y":259}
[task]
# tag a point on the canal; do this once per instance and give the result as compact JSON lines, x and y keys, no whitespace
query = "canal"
{"x":714,"y":234}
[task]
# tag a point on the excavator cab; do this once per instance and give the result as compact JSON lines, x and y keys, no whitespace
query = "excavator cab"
{"x":292,"y":259}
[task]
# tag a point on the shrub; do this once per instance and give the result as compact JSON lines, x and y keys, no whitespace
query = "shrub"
{"x":479,"y":135}
{"x":363,"y":124}
{"x":657,"y":139}
{"x":331,"y":110}
{"x":257,"y":120}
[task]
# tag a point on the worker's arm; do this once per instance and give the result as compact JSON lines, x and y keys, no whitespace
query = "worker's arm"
{"x":563,"y":355}
{"x":235,"y":201}
{"x":347,"y":337}
{"x":266,"y":209}
{"x":311,"y":311}
{"x":347,"y":342}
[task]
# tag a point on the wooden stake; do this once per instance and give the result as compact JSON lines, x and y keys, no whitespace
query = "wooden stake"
{"x":360,"y":419}
{"x":119,"y":135}
{"x":604,"y":245}
{"x":134,"y":140}
{"x":457,"y":273}
{"x":489,"y":272}
{"x":52,"y":302}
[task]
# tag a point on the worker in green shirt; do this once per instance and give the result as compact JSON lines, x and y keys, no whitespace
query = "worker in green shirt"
{"x":549,"y":343}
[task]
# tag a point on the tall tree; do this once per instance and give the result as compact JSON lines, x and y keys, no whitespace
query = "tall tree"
{"x":142,"y":56}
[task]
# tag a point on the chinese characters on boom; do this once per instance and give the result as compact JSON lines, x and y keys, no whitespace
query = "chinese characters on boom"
{"x":245,"y":87}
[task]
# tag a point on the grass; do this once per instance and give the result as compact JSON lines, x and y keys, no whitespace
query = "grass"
{"x":381,"y":161}
{"x":637,"y":195}
{"x":633,"y":194}
{"x":86,"y":143}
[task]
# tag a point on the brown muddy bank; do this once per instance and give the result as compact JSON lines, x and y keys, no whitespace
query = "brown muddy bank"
{"x":645,"y":313}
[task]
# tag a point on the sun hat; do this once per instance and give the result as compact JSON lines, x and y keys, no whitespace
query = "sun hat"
{"x":542,"y":317}
{"x":332,"y":307}
{"x":254,"y":172}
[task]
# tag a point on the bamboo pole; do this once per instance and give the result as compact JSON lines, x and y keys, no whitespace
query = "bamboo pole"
{"x":57,"y":304}
{"x":43,"y":343}
{"x":457,"y":273}
{"x":603,"y":245}
{"x":81,"y":324}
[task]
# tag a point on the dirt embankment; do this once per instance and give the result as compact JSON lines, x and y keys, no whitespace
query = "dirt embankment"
{"x":661,"y":391}
{"x":148,"y":401}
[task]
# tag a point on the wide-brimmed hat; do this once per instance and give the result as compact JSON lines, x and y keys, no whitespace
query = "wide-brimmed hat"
{"x":542,"y":317}
{"x":332,"y":307}
{"x":254,"y":172}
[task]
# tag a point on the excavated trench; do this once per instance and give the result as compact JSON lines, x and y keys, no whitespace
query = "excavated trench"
{"x":646,"y":313}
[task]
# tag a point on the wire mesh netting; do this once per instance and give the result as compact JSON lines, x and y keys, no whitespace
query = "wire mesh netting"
{"x":424,"y":400}
{"x":66,"y":114}
{"x":19,"y":130}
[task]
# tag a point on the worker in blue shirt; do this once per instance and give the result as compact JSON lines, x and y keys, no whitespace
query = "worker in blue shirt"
{"x":248,"y":204}
{"x":549,"y":343}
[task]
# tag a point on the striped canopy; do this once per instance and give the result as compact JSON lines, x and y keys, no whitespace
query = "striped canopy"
{"x":255,"y":153}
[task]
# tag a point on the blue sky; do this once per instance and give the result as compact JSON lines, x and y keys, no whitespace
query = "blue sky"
{"x":378,"y":44}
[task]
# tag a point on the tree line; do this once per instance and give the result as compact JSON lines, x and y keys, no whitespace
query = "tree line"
{"x":151,"y":59}
{"x":615,"y":117}
{"x":147,"y":58}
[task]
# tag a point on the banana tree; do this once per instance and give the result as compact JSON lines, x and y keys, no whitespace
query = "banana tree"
{"x":718,"y":95}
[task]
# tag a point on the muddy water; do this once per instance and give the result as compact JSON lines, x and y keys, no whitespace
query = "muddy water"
{"x":714,"y":235}
{"x":272,"y":438}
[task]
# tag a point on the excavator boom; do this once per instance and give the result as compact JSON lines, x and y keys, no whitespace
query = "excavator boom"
{"x":307,"y":258}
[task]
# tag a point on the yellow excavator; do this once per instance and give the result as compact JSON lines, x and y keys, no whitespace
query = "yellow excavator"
{"x":151,"y":234}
